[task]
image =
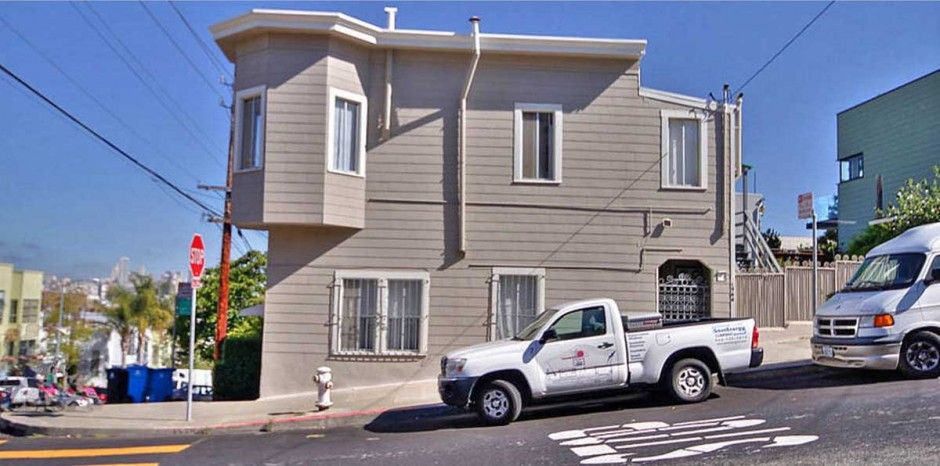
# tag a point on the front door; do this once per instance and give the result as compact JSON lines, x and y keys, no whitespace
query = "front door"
{"x":583,"y":356}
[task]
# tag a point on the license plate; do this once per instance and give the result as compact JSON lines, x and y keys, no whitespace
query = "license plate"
{"x":827,"y":351}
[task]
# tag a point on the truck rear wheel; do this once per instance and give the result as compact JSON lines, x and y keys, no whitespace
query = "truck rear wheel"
{"x":498,"y":402}
{"x":689,"y":381}
{"x":920,"y":356}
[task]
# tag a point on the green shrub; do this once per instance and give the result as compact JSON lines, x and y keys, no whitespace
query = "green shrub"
{"x":238,"y":374}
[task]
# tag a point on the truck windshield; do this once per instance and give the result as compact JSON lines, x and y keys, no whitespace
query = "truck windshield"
{"x":529,"y":333}
{"x":886,"y":272}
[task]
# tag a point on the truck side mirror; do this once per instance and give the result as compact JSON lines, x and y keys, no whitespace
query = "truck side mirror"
{"x":549,"y":335}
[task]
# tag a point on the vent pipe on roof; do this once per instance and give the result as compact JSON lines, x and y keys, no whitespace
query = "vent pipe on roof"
{"x":390,"y":10}
{"x":462,"y":135}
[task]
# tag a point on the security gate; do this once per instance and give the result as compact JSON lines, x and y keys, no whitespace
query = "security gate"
{"x":684,"y":297}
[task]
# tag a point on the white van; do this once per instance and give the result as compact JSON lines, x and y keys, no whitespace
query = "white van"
{"x":888,"y":314}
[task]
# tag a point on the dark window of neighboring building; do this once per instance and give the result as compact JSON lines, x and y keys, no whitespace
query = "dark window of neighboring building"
{"x":879,"y":194}
{"x":852,"y":168}
{"x":14,"y":306}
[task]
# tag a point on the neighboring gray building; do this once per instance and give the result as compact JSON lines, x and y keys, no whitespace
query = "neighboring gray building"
{"x":882,"y":143}
{"x":401,"y":227}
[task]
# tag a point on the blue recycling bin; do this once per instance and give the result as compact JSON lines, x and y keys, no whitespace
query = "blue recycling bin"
{"x":136,"y":383}
{"x":159,"y":384}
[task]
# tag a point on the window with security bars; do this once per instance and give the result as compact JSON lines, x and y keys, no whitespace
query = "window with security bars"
{"x":380,"y":313}
{"x":518,"y":298}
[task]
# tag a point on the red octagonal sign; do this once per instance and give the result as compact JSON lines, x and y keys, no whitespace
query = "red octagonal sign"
{"x":197,"y":258}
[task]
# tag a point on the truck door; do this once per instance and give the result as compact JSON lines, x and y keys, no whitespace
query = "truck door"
{"x":583,"y":355}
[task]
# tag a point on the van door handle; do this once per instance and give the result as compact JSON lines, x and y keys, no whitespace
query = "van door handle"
{"x":605,"y":345}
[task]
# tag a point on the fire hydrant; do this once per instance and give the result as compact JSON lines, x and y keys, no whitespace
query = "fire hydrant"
{"x":324,"y":381}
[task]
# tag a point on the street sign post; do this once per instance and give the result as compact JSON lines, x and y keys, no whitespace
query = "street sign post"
{"x":806,"y":210}
{"x":197,"y":262}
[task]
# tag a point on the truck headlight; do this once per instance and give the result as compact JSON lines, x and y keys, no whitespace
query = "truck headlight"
{"x":453,"y":366}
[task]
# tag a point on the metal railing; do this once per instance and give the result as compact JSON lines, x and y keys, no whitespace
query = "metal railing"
{"x":759,"y":255}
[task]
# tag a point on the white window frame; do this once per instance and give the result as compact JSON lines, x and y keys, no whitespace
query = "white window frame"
{"x":333,"y":94}
{"x":537,"y":272}
{"x":381,"y":321}
{"x":557,"y":138}
{"x":666,"y":116}
{"x":240,"y":98}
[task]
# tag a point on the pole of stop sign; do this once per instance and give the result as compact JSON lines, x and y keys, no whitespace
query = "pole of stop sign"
{"x":197,"y":261}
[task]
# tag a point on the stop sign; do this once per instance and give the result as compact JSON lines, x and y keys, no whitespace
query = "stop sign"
{"x":197,"y":258}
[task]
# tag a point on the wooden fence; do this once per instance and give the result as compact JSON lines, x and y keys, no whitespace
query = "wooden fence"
{"x":775,"y":299}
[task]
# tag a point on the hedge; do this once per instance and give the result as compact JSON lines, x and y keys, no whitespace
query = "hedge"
{"x":238,"y":374}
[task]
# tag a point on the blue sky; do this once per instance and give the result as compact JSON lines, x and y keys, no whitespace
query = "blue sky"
{"x":70,"y":206}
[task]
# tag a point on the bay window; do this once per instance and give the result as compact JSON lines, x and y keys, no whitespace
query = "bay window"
{"x":249,"y":126}
{"x":346,"y":146}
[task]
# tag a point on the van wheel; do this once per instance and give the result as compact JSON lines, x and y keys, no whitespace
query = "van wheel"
{"x":498,"y":402}
{"x":690,"y":381}
{"x":920,"y":356}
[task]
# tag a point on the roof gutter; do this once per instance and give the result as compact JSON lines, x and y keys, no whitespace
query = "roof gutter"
{"x":462,"y":136}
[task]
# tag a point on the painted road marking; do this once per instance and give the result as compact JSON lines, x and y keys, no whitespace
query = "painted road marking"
{"x":90,"y":452}
{"x":607,"y":445}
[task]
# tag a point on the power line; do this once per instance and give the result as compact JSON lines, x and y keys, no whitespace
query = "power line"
{"x":94,"y":99}
{"x":106,"y":141}
{"x":202,"y":44}
{"x":785,"y":46}
{"x":179,"y":49}
{"x":161,"y":99}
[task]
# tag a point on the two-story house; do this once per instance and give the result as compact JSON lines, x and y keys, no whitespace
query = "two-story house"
{"x":426,"y":190}
{"x":20,"y":318}
{"x":883,"y":142}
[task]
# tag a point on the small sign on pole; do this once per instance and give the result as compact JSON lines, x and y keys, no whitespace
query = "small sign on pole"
{"x":805,"y":205}
{"x":197,"y":262}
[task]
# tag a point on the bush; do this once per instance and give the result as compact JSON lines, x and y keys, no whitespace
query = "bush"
{"x":238,"y":374}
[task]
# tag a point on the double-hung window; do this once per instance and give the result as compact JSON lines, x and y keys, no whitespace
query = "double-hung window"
{"x":517,"y":297}
{"x":249,"y":125}
{"x":346,"y":141}
{"x":852,"y":167}
{"x":376,"y":312}
{"x":683,"y":150}
{"x":30,"y":311}
{"x":537,"y":143}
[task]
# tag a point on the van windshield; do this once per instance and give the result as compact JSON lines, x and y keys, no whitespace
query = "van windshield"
{"x":529,"y":333}
{"x":886,"y":272}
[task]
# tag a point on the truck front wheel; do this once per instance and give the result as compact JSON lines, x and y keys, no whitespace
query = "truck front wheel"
{"x":498,"y":402}
{"x":690,"y":381}
{"x":920,"y":356}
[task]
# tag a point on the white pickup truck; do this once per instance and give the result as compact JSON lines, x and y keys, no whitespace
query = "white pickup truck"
{"x":589,"y":346}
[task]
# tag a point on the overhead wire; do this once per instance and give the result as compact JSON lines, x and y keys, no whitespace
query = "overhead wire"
{"x":202,"y":44}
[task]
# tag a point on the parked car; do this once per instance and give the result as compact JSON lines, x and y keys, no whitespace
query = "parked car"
{"x":588,"y":347}
{"x":888,"y":315}
{"x":20,"y":391}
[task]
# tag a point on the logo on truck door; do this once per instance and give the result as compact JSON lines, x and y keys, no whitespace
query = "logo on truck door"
{"x":577,"y":358}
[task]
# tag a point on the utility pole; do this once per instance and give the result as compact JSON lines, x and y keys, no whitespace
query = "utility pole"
{"x":221,"y":328}
{"x":58,"y":333}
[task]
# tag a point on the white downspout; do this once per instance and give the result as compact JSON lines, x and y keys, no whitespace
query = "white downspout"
{"x":727,"y":135}
{"x":389,"y":57}
{"x":462,"y":135}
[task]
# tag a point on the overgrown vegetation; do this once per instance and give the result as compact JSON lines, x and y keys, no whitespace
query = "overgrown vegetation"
{"x":238,"y":374}
{"x":917,"y":203}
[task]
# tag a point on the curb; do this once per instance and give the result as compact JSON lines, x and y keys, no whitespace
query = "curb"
{"x":777,"y":366}
{"x":311,"y":422}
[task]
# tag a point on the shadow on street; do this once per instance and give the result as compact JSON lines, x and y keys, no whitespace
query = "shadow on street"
{"x":811,"y":377}
{"x":429,"y":418}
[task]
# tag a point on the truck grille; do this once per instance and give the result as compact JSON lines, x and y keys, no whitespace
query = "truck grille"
{"x":843,"y":327}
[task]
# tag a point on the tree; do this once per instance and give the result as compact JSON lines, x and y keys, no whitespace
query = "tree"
{"x":917,"y":203}
{"x":76,"y":331}
{"x":772,"y":238}
{"x":247,"y":282}
{"x":137,"y":312}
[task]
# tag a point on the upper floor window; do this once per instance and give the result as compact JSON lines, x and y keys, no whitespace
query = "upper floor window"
{"x":347,"y":132}
{"x":852,"y":168}
{"x":30,"y":311}
{"x":683,"y":150}
{"x":249,"y":115}
{"x":14,"y":307}
{"x":537,"y":143}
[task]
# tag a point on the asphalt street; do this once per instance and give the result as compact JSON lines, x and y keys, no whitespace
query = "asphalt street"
{"x":806,"y":415}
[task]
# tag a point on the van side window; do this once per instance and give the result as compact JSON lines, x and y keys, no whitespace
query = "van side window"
{"x":583,"y":323}
{"x":935,"y":265}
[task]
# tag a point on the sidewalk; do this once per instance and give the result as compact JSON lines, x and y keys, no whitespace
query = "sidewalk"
{"x":784,"y":347}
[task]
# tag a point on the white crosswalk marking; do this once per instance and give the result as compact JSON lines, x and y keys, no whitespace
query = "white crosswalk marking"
{"x":657,"y":440}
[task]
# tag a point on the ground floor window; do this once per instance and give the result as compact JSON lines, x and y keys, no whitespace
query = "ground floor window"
{"x":517,"y":297}
{"x":376,"y":312}
{"x":684,"y":291}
